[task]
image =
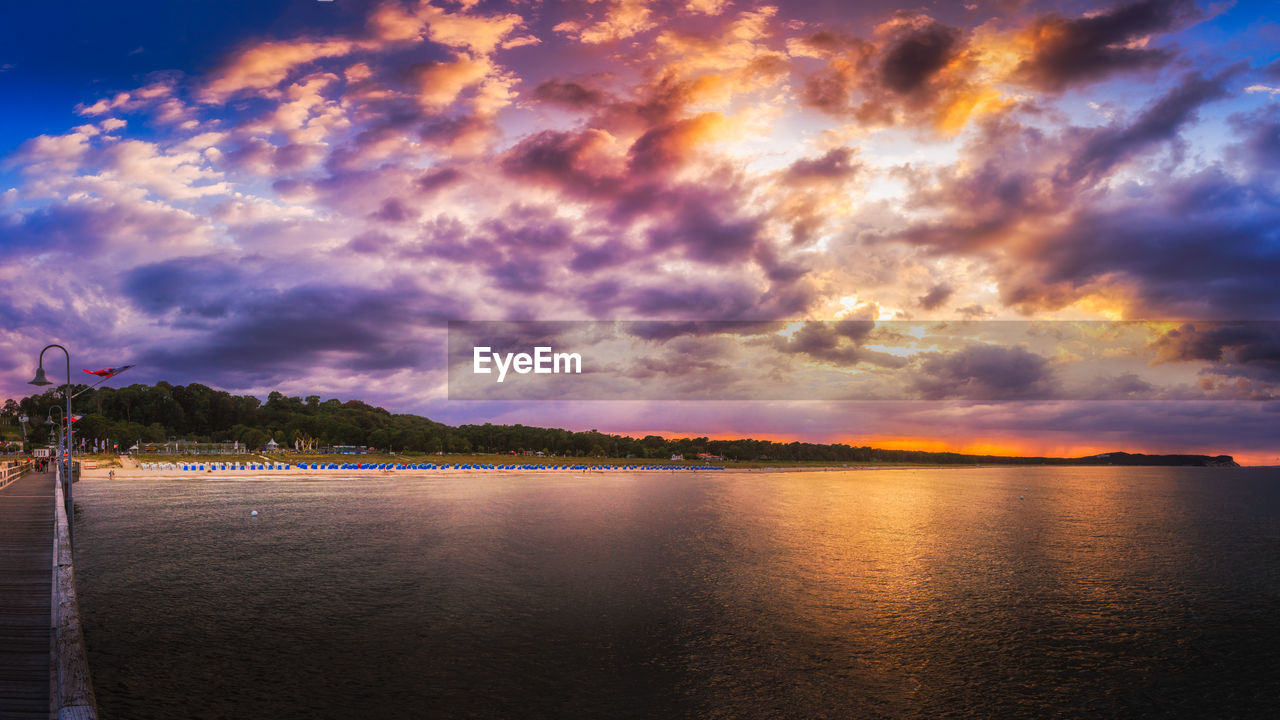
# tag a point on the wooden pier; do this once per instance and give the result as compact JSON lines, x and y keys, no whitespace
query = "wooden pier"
{"x":26,"y":597}
{"x":43,"y":672}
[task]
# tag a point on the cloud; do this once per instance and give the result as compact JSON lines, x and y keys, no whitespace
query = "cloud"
{"x":438,"y":180}
{"x":126,"y":228}
{"x":264,"y":66}
{"x":834,"y":165}
{"x":622,"y":19}
{"x":1043,"y":205}
{"x":916,"y":53}
{"x":1195,"y":248}
{"x":1074,"y":51}
{"x":984,"y":373}
{"x":473,"y":33}
{"x":668,"y":146}
{"x":706,"y":231}
{"x":348,"y":330}
{"x":937,"y":295}
{"x":1247,"y":350}
{"x":837,"y":342}
{"x":567,"y":94}
{"x":577,"y":163}
{"x":706,"y":7}
{"x":203,"y":286}
{"x":132,"y":101}
{"x":440,"y":83}
{"x":1104,"y":148}
{"x":1259,"y":133}
{"x":915,"y":72}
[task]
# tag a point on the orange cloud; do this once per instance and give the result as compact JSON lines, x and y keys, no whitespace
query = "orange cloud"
{"x":478,"y":34}
{"x":439,"y":84}
{"x":267,"y":65}
{"x":668,"y":145}
{"x":623,"y":19}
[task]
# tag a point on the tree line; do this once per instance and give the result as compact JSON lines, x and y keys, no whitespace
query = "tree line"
{"x":195,"y":412}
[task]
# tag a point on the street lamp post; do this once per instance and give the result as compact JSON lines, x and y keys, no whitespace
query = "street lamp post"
{"x":48,"y":419}
{"x":40,"y":379}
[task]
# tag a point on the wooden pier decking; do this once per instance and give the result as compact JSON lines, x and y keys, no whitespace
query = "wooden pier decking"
{"x":26,"y":596}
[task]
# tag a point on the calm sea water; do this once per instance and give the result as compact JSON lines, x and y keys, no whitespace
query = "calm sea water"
{"x":1007,"y":592}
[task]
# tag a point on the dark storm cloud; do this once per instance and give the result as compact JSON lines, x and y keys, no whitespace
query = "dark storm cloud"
{"x":560,"y":159}
{"x":568,"y":94}
{"x":937,"y":295}
{"x":438,"y":179}
{"x":200,"y":286}
{"x":704,"y":233}
{"x":1249,"y":350}
{"x":833,"y":166}
{"x":916,"y":56}
{"x":984,"y":372}
{"x":394,"y":210}
{"x":666,"y":146}
{"x":1071,"y":51}
{"x":338,"y":328}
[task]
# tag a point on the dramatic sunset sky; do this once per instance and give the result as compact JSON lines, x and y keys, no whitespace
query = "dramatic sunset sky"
{"x":261,"y":195}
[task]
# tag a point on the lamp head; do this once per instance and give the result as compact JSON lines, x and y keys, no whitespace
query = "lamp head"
{"x":40,"y":379}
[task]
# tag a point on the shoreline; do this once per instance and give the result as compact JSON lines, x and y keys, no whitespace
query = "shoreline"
{"x":168,"y":474}
{"x":134,"y":473}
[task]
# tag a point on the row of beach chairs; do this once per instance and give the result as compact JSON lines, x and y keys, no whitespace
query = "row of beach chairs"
{"x":221,"y":466}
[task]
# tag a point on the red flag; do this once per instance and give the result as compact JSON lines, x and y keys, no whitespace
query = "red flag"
{"x":108,"y":372}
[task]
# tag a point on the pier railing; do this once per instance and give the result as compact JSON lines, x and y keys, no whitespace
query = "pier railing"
{"x":72,"y":688}
{"x":11,"y":470}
